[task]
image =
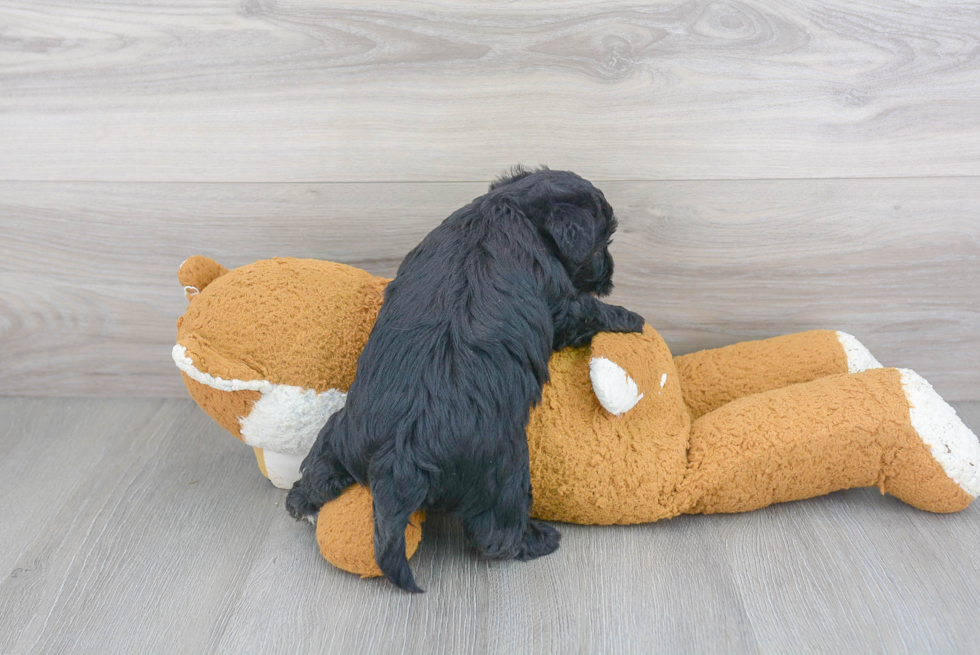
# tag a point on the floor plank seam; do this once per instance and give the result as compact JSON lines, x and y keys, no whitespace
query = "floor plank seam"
{"x":594,"y":178}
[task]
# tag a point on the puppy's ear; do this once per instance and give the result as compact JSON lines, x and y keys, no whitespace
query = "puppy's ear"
{"x":518,"y":172}
{"x":575,"y":232}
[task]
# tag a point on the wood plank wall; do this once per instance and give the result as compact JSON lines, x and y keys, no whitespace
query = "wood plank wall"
{"x":776,"y":166}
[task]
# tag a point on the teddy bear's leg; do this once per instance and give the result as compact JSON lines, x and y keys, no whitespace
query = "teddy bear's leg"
{"x":712,"y":378}
{"x":884,"y":427}
{"x":345,"y":532}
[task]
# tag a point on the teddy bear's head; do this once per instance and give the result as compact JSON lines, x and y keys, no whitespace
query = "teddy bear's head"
{"x":268,"y":354}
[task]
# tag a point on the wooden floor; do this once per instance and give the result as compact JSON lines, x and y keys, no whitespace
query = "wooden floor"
{"x":138,"y":525}
{"x":776,"y":166}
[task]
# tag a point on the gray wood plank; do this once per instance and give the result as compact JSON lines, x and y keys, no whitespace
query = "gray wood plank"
{"x":147,"y":550}
{"x":89,"y":297}
{"x":336,"y":612}
{"x":48,"y":452}
{"x":627,"y":589}
{"x":429,"y":91}
{"x":855,"y":572}
{"x":154,"y":528}
{"x":572,"y":601}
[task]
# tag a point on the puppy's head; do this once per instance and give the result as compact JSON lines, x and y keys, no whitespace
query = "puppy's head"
{"x":574,"y":219}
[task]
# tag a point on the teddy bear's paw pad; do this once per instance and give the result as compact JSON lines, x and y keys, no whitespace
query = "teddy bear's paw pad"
{"x":952,"y":443}
{"x":859,"y":358}
{"x":617,"y":392}
{"x":283,"y":469}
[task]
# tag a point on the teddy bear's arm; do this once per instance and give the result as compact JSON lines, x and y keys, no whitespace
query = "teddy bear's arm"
{"x":712,"y":378}
{"x":884,"y":427}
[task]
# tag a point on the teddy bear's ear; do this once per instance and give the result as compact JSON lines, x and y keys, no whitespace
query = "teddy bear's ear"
{"x":198,"y":272}
{"x":626,"y":368}
{"x":616,"y":390}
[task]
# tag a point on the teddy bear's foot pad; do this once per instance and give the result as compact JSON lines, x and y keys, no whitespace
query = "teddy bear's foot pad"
{"x":952,"y":444}
{"x":859,"y":358}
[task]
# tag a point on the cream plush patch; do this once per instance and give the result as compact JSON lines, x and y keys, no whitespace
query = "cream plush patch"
{"x":953,"y":444}
{"x":287,"y":419}
{"x":617,"y":392}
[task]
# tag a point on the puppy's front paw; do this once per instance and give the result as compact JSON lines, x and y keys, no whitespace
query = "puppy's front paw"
{"x":540,"y":539}
{"x":621,"y":319}
{"x":634,"y":322}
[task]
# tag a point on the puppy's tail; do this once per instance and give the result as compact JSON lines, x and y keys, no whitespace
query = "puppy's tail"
{"x":392,"y":512}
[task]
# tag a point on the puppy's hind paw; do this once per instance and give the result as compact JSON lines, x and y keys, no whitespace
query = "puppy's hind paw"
{"x":299,"y":505}
{"x":540,"y":539}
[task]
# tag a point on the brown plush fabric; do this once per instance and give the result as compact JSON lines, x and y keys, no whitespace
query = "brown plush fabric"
{"x":225,"y":407}
{"x":345,"y":532}
{"x":712,"y":378}
{"x":590,"y":467}
{"x":810,"y":439}
{"x":300,"y":322}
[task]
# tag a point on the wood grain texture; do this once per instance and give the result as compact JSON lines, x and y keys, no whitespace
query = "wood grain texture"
{"x":89,"y":296}
{"x":118,"y":534}
{"x":260,"y":90}
{"x":153,"y":527}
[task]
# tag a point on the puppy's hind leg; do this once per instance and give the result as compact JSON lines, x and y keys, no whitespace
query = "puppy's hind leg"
{"x":505,"y":531}
{"x":324,"y":478}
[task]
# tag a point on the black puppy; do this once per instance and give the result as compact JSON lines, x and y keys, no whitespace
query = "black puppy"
{"x":436,"y":414}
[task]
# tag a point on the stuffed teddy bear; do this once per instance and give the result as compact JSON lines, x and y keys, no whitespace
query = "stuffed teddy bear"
{"x":624,"y":433}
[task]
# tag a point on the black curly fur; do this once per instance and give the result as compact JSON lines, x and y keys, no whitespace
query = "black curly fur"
{"x":437,"y":411}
